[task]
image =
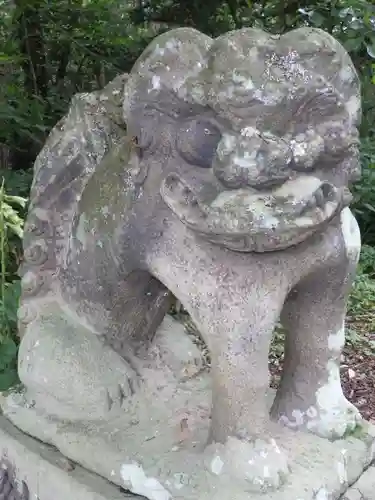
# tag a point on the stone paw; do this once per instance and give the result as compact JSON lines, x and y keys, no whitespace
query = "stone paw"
{"x":259,"y":465}
{"x":333,"y":420}
{"x":72,"y":370}
{"x":118,"y":393}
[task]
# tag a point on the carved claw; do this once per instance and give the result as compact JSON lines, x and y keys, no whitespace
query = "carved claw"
{"x":117,"y":395}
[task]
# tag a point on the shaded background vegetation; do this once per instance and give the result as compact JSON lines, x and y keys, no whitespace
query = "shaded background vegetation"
{"x":51,"y":49}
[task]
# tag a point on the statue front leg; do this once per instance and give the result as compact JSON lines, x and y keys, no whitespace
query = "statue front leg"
{"x":239,"y":343}
{"x":236,"y":309}
{"x":310,"y":395}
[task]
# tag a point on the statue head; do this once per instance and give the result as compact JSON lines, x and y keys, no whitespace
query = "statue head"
{"x":252,"y":138}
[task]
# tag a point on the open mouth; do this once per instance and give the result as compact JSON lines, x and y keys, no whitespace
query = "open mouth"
{"x":247,"y":220}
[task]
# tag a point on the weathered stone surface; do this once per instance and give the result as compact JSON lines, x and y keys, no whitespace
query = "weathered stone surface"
{"x":320,"y":469}
{"x":219,"y":171}
{"x":48,"y":474}
{"x":364,"y":488}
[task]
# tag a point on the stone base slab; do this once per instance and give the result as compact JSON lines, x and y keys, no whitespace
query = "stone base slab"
{"x":51,"y":476}
{"x":364,"y":488}
{"x":48,"y":474}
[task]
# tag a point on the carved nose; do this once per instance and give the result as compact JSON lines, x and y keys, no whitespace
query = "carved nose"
{"x":252,"y":160}
{"x":237,"y":175}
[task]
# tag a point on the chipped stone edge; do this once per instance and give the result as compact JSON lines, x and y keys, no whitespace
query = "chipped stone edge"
{"x":48,"y":474}
{"x":355,"y":489}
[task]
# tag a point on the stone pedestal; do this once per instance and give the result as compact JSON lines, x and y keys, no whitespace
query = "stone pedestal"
{"x":320,"y":470}
{"x":47,"y":474}
{"x":364,"y":488}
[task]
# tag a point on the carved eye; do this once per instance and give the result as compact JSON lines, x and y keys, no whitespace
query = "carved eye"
{"x":197,"y":141}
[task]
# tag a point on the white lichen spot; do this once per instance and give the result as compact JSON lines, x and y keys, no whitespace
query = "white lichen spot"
{"x":217,"y":465}
{"x":353,"y":106}
{"x":266,"y":471}
{"x":137,"y":482}
{"x":298,"y":419}
{"x":336,"y":414}
{"x":159,"y":51}
{"x":155,"y":82}
{"x":249,"y":132}
{"x":322,"y":494}
{"x":275,"y":446}
{"x":180,"y":479}
{"x":226,"y":145}
{"x":246,"y":160}
{"x":351,"y":235}
{"x":330,"y":392}
{"x":312,"y":412}
{"x":341,"y":471}
{"x":245,"y":83}
{"x":267,"y":221}
{"x":81,"y":232}
{"x":299,"y":149}
{"x":372,"y":452}
{"x":336,"y":340}
{"x":173,"y":45}
{"x":346,"y":73}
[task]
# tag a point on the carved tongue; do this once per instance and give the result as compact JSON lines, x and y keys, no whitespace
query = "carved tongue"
{"x":292,"y":199}
{"x":299,"y":204}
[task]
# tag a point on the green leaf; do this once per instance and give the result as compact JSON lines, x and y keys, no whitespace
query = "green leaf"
{"x":8,"y":379}
{"x":317,"y":19}
{"x":18,"y":200}
{"x":369,"y":207}
{"x":353,"y":44}
{"x":8,"y":351}
{"x":371,"y":49}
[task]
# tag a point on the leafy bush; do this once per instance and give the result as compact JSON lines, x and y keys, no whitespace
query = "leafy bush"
{"x":364,"y":193}
{"x":11,"y":228}
{"x":362,"y":297}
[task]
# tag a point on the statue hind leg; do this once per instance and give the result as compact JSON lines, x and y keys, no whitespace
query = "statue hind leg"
{"x":74,"y":373}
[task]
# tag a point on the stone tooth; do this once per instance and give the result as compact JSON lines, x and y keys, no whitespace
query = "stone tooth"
{"x":319,"y":198}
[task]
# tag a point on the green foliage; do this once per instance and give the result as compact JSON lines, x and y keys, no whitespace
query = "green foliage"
{"x":364,"y":192}
{"x":8,"y":364}
{"x":362,"y":298}
{"x":11,"y":228}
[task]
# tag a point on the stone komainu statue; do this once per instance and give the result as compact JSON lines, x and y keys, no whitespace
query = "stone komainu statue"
{"x":217,"y":170}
